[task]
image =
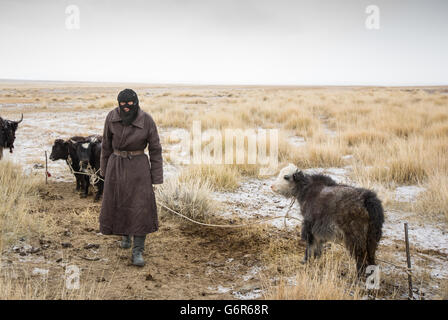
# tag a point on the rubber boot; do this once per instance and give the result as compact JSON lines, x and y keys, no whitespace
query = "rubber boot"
{"x":137,"y":251}
{"x":126,"y":242}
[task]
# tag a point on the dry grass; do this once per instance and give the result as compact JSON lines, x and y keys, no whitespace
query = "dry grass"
{"x":326,"y":278}
{"x":396,"y":136}
{"x":18,"y":194}
{"x":21,"y":285}
{"x":444,"y":294}
{"x":434,"y":201}
{"x":219,"y":177}
{"x":319,"y":155}
{"x":190,"y":197}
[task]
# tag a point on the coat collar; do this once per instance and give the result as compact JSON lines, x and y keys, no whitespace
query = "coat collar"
{"x":138,"y":122}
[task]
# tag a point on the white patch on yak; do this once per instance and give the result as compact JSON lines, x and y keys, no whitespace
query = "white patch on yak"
{"x":280,"y":185}
{"x":85,"y":145}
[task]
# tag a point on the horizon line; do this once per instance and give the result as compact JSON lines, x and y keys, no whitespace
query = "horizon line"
{"x":195,"y":84}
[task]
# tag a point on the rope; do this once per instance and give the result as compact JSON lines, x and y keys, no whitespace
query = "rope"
{"x":233,"y":225}
{"x":287,"y":212}
{"x":94,"y":174}
{"x":69,"y":163}
{"x":91,"y":173}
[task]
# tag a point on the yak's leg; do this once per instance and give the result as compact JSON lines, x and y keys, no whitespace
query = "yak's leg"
{"x":306,"y":257}
{"x":1,"y":153}
{"x":99,"y":193}
{"x":317,"y":248}
{"x":358,"y":251}
{"x":361,"y":258}
{"x":86,"y":187}
{"x":371,"y":249}
{"x":307,"y":236}
{"x":78,"y":182}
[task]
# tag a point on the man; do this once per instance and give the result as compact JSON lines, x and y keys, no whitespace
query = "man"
{"x":129,"y":207}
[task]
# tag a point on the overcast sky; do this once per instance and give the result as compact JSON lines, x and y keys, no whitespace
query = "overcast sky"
{"x":226,"y":42}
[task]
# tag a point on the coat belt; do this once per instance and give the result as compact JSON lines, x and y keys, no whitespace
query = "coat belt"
{"x":126,"y":154}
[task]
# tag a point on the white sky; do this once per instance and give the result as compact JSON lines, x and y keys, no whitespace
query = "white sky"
{"x":227,"y":42}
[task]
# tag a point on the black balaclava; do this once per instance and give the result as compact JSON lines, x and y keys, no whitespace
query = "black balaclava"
{"x":125,"y":96}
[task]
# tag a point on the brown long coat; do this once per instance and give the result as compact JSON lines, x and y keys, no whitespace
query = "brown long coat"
{"x":129,"y":205}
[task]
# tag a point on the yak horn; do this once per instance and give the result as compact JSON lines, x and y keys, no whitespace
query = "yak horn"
{"x":21,"y":119}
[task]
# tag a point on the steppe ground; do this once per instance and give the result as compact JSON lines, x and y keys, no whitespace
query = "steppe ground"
{"x":392,"y":140}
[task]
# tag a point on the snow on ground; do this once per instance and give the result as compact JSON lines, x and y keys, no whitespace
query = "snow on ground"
{"x":38,"y":131}
{"x":422,"y":236}
{"x":254,"y":199}
{"x":296,"y":141}
{"x":40,"y":271}
{"x":248,"y":292}
{"x":407,"y":193}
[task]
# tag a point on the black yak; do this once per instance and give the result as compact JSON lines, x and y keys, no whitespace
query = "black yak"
{"x":8,"y":134}
{"x":334,"y":212}
{"x":89,"y":153}
{"x":66,"y":150}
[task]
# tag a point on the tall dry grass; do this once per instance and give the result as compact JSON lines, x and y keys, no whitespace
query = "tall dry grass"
{"x":434,"y":201}
{"x":395,"y":136}
{"x":390,"y":137}
{"x":326,"y":278}
{"x":18,"y":197}
{"x":190,"y":197}
{"x":219,"y":177}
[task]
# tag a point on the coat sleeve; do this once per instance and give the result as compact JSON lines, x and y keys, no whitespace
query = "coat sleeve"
{"x":106,"y":147}
{"x":155,"y":153}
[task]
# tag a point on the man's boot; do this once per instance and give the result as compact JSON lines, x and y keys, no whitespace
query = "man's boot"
{"x":137,"y":251}
{"x":126,"y":242}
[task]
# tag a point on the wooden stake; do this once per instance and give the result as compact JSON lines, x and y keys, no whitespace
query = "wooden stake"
{"x":46,"y":168}
{"x":408,"y":257}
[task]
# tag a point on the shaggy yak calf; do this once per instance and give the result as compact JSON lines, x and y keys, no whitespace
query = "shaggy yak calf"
{"x":334,"y":212}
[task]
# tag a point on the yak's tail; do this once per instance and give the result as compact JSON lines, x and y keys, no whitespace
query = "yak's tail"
{"x":376,"y":220}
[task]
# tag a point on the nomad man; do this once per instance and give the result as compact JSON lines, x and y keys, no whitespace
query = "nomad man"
{"x":129,"y":206}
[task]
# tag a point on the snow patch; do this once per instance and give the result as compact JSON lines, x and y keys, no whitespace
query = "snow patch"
{"x":254,"y":199}
{"x":250,"y":295}
{"x":407,"y":193}
{"x":296,"y":141}
{"x":39,"y":271}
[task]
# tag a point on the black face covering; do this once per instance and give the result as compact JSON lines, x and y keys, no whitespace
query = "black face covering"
{"x":125,"y":96}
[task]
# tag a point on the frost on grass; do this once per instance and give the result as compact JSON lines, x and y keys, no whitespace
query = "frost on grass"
{"x":407,"y":193}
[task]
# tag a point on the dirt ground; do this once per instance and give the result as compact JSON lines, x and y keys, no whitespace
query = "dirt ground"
{"x":183,"y":261}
